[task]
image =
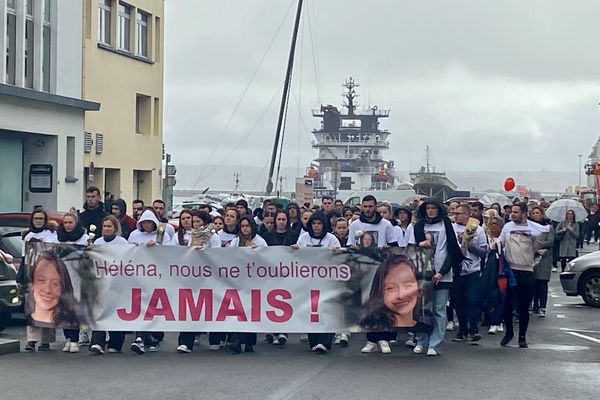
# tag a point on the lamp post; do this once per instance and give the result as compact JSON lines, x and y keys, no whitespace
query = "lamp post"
{"x":579,"y":173}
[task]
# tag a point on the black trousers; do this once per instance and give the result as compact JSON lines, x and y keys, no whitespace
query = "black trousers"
{"x":71,"y":334}
{"x":521,"y":296}
{"x":326,"y":339}
{"x":540,"y":294}
{"x":244,"y":338}
{"x":215,"y":338}
{"x":187,"y":339}
{"x":375,"y":337}
{"x":115,"y":340}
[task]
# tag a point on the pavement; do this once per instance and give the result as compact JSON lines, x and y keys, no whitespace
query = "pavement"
{"x":562,"y":362}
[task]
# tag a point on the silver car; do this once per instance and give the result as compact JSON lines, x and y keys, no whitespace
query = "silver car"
{"x":582,"y":278}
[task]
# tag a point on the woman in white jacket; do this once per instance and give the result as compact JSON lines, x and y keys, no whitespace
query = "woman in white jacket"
{"x":111,"y":235}
{"x":149,"y":233}
{"x":39,"y":231}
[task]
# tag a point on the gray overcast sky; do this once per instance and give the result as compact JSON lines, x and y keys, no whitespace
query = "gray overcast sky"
{"x":504,"y":85}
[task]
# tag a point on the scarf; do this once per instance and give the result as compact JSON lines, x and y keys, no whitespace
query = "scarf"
{"x":374,"y":219}
{"x":64,"y":236}
{"x":109,"y":239}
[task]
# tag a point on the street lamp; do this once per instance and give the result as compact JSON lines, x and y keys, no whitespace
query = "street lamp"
{"x":579,"y":173}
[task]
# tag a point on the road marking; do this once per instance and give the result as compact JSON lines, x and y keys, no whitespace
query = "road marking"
{"x":555,"y":295}
{"x":579,"y":330}
{"x":560,"y":316}
{"x":591,"y":339}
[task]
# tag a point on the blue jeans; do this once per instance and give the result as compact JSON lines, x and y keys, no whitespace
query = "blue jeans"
{"x":440,"y":298}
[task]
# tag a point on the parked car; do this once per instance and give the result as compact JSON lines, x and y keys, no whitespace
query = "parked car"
{"x":582,"y":278}
{"x":11,"y":242}
{"x":21,"y":219}
{"x":10,"y":300}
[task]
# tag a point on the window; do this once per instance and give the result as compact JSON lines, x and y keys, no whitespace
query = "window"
{"x":11,"y":42}
{"x":46,"y":43}
{"x":157,"y":46}
{"x":157,"y":116}
{"x":104,"y":11}
{"x":143,"y":105}
{"x":70,"y":156}
{"x":29,"y":33}
{"x":142,"y":34}
{"x":124,"y":27}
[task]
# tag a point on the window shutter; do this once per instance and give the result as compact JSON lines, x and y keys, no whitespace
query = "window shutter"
{"x":88,"y":142}
{"x":99,"y":143}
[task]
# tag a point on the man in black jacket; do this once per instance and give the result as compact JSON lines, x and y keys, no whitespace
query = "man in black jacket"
{"x":94,"y":212}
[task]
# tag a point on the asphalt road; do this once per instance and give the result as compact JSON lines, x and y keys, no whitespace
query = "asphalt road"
{"x":563,"y":362}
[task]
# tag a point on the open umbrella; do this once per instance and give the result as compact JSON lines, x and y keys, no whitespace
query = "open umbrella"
{"x":558,"y":210}
{"x":490,"y":198}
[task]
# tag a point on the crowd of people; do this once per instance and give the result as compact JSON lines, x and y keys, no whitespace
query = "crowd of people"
{"x":490,"y":266}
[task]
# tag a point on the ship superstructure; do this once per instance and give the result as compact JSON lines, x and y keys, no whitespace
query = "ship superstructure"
{"x":350,"y":146}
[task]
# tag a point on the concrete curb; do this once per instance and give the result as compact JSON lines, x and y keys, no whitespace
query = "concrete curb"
{"x":8,"y":346}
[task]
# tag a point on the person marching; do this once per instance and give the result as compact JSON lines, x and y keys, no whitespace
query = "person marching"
{"x":317,"y":236}
{"x":111,"y":236}
{"x":247,"y":237}
{"x":71,"y":231}
{"x":39,"y":230}
{"x":149,"y":232}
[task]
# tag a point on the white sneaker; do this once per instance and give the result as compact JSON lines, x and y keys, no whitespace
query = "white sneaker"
{"x":84,"y":338}
{"x":304,"y":337}
{"x":97,"y":349}
{"x":275,"y":341}
{"x":450,"y":326}
{"x":419,"y":349}
{"x":500,"y":328}
{"x":111,"y":350}
{"x":344,"y":339}
{"x":282,"y":339}
{"x":320,"y":348}
{"x":432,"y":352}
{"x":493,"y":330}
{"x":370,"y":347}
{"x":554,"y":269}
{"x":183,"y":349}
{"x":138,"y":346}
{"x":337,"y":339}
{"x":214,"y":347}
{"x":67,"y":346}
{"x":154,"y":347}
{"x":73,"y":347}
{"x":385,"y":347}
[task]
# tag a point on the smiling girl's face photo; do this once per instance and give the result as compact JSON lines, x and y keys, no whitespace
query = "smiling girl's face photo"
{"x":400,"y":292}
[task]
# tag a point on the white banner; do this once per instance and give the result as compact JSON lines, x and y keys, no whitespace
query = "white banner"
{"x":173,"y":288}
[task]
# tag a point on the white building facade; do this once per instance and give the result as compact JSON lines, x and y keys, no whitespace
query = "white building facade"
{"x":42,"y":116}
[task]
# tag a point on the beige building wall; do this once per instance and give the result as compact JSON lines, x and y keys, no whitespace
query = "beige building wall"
{"x":130,"y":88}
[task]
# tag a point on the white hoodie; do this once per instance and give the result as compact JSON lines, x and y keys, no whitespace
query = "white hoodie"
{"x":140,"y":237}
{"x":214,"y":241}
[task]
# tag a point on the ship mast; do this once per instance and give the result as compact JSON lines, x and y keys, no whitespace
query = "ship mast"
{"x":284,"y":99}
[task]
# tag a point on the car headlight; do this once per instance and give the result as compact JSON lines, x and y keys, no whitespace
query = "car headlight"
{"x":569,"y":266}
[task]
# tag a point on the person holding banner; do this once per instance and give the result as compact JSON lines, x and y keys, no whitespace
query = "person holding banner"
{"x":282,"y":235}
{"x":247,"y":237}
{"x":149,"y":233}
{"x":230,"y":227}
{"x":317,"y":236}
{"x":195,"y":229}
{"x":39,"y":231}
{"x":111,"y":235}
{"x":71,"y":231}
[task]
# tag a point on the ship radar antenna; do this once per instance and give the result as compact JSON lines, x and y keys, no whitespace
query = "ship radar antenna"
{"x":350,"y":94}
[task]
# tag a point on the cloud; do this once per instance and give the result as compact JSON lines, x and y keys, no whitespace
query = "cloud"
{"x":490,"y":86}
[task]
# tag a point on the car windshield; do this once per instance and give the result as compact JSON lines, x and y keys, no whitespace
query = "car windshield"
{"x":13,"y":244}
